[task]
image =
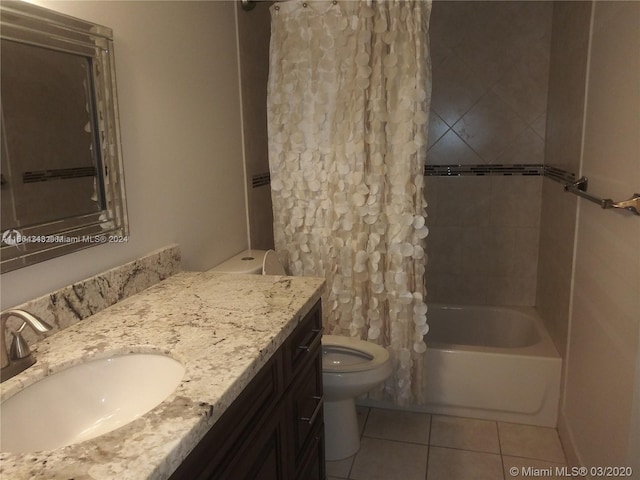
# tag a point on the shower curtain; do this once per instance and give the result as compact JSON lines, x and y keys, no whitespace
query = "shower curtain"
{"x":348,"y":101}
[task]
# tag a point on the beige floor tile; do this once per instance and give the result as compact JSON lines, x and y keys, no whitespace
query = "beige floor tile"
{"x":515,"y":467}
{"x":452,"y":464}
{"x":530,"y":442}
{"x":335,"y":478}
{"x":398,"y":425}
{"x":362,"y":414}
{"x":389,"y":460}
{"x":465,"y":433}
{"x":340,"y":468}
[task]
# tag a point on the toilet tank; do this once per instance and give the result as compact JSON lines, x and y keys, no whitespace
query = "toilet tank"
{"x":249,"y":261}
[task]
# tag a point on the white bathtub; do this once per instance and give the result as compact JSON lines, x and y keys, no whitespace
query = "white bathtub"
{"x":495,"y":363}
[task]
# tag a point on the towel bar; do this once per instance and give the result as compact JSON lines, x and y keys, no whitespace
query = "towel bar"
{"x":579,"y":187}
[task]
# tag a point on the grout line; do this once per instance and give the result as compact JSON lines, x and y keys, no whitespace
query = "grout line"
{"x":459,"y":449}
{"x":539,"y":459}
{"x":426,"y":475}
{"x":408,"y":442}
{"x":500,"y":449}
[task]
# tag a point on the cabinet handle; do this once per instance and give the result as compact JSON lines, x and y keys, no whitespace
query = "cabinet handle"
{"x":315,"y":413}
{"x":310,"y":346}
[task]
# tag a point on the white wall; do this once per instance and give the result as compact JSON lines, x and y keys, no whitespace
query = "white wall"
{"x":597,"y":415}
{"x":177,"y":80}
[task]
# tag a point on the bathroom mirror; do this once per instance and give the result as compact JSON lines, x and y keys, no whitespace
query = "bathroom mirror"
{"x":62,"y":183}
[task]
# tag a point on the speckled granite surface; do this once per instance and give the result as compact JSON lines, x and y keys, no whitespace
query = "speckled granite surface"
{"x":74,"y":303}
{"x":222,"y":328}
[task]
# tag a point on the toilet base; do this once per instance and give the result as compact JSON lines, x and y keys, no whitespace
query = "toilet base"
{"x":341,"y":433}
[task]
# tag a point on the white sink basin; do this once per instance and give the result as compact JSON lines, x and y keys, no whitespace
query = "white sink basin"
{"x":86,"y":401}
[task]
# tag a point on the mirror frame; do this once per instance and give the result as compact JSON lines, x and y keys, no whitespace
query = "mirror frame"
{"x":33,"y":25}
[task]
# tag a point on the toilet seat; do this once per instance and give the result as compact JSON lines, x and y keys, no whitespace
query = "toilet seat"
{"x":271,"y":265}
{"x":343,"y":354}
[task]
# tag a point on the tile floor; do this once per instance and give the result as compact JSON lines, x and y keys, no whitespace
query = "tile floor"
{"x":398,"y":445}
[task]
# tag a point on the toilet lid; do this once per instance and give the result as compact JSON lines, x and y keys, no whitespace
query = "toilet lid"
{"x":271,"y":265}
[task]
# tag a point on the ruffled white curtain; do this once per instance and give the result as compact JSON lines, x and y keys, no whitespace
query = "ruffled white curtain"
{"x":348,"y":102}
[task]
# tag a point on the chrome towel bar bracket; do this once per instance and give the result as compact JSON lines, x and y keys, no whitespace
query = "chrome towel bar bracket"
{"x":579,"y":187}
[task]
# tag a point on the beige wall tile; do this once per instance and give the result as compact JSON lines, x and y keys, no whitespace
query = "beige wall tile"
{"x":456,"y":88}
{"x":526,"y":148}
{"x":451,"y":150}
{"x":567,"y":75}
{"x":490,"y":126}
{"x":515,"y":201}
{"x":437,"y":128}
{"x":499,"y":45}
{"x":444,"y":249}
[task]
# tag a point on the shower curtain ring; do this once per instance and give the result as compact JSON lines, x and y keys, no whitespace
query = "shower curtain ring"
{"x":248,"y":4}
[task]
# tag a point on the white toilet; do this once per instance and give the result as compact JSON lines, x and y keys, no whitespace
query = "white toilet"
{"x":350,"y":367}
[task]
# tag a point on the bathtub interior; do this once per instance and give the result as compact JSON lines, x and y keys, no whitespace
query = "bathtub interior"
{"x":511,"y":376}
{"x":481,"y":326}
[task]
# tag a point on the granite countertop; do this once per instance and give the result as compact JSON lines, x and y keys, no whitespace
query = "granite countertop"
{"x":222,"y":328}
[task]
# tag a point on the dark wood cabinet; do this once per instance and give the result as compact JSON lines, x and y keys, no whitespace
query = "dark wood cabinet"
{"x":275,"y":429}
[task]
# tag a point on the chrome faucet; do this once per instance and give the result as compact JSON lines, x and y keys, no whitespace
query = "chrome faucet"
{"x":19,"y":356}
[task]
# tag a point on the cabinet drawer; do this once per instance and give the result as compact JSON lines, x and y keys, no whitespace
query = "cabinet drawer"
{"x":302,"y":343}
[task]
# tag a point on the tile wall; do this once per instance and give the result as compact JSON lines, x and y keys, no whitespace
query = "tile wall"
{"x":253,"y":45}
{"x":490,"y":65}
{"x":568,"y":67}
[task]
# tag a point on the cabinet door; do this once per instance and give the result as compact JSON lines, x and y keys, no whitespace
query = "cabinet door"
{"x":305,"y":400}
{"x":250,"y":417}
{"x":312,"y":467}
{"x":261,"y":456}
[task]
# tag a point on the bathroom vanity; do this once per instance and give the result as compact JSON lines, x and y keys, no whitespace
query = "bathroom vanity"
{"x":274,"y":429}
{"x":249,"y":404}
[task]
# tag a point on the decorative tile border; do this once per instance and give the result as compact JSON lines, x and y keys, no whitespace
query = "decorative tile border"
{"x":58,"y":174}
{"x":553,"y":173}
{"x":68,"y":305}
{"x":481,"y":170}
{"x":261,"y":180}
{"x":559,"y":175}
